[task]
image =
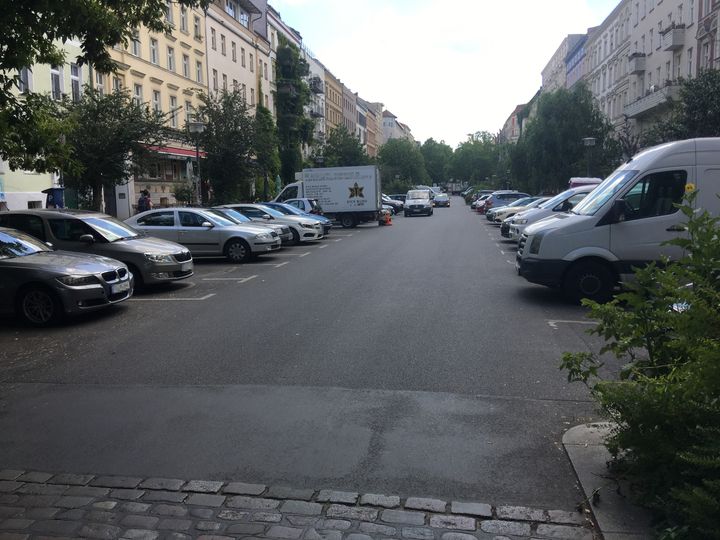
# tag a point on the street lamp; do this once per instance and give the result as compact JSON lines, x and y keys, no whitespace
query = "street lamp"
{"x":197,"y":127}
{"x":589,"y":142}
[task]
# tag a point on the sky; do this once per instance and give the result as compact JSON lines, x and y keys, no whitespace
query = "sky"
{"x":446,"y":68}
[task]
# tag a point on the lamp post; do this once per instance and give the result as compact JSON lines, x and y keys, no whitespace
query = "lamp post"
{"x":589,"y":142}
{"x":197,"y":127}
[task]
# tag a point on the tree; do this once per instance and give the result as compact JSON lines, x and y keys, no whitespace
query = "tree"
{"x":228,"y":141}
{"x":475,"y":159}
{"x":111,"y":138}
{"x":292,"y":95}
{"x":30,"y":33}
{"x":437,"y":157}
{"x":401,"y":165}
{"x":265,"y":148}
{"x":343,"y":149}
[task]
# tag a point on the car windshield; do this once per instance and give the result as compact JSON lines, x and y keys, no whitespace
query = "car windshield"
{"x":557,"y":199}
{"x":418,"y":194}
{"x":604,"y":192}
{"x":231,"y":214}
{"x":287,"y":209}
{"x":538,"y":202}
{"x":217,"y":218}
{"x":17,"y":244}
{"x":111,"y":229}
{"x":521,"y":202}
{"x":271,"y":211}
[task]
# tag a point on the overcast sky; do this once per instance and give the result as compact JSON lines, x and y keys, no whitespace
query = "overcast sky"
{"x":446,"y":68}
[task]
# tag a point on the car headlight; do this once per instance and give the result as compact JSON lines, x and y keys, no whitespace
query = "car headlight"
{"x":158,"y":258}
{"x":536,"y":241}
{"x":78,"y":281}
{"x":307,"y":226}
{"x":263,"y":237}
{"x":520,"y":221}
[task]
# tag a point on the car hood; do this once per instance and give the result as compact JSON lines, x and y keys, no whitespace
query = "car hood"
{"x":557,"y":220}
{"x":147,"y":244}
{"x":298,"y":220}
{"x":252,"y":228}
{"x":417,"y":201}
{"x":64,"y":262}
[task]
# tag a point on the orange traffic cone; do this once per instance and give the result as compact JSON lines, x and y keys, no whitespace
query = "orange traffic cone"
{"x":388,"y":219}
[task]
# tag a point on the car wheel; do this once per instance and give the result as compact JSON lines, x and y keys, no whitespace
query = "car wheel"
{"x":348,"y":221}
{"x":137,"y":277}
{"x":295,"y":237}
{"x":38,"y":306}
{"x":406,"y":214}
{"x":589,"y":279}
{"x":238,"y":250}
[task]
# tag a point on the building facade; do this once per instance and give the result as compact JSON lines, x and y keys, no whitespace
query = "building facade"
{"x":510,"y":132}
{"x":349,"y":108}
{"x":575,"y":61}
{"x":333,"y":101}
{"x":392,"y":129}
{"x":554,"y":75}
{"x":316,"y":107}
{"x":707,"y":35}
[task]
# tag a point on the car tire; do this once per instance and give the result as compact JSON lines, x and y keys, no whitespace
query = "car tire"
{"x":38,"y":306}
{"x":238,"y":250}
{"x":589,"y":279}
{"x":406,"y":214}
{"x":348,"y":221}
{"x":139,"y":282}
{"x":295,"y":237}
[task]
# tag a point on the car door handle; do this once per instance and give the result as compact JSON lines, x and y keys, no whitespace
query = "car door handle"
{"x":676,"y":228}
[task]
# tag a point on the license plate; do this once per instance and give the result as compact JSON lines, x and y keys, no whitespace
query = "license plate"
{"x":120,"y":287}
{"x":185,"y":267}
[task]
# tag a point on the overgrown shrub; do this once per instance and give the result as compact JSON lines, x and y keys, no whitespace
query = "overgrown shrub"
{"x":665,"y":329}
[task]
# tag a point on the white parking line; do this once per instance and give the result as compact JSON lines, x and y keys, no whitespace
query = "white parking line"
{"x":238,"y":279}
{"x":304,"y":254}
{"x":343,"y":235}
{"x":554,"y":324}
{"x":207,"y":296}
{"x":288,"y":254}
{"x":281,"y":264}
{"x":338,"y":240}
{"x":323,"y":246}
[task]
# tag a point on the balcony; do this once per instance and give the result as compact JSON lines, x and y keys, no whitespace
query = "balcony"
{"x":316,"y":85}
{"x":317,"y":113}
{"x":673,"y":38}
{"x":636,"y":63}
{"x":652,"y":101}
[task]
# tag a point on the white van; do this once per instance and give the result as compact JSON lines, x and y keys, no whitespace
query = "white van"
{"x":624,"y":222}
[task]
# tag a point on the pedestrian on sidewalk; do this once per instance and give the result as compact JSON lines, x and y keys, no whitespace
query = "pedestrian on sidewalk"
{"x":144,"y":202}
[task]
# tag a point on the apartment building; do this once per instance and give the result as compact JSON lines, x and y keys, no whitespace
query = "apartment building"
{"x":575,"y":61}
{"x":663,"y":52}
{"x":361,"y":121}
{"x":333,"y":101}
{"x":20,"y":190}
{"x":317,"y":106}
{"x":554,"y":75}
{"x":373,"y":128}
{"x":510,"y":132}
{"x":349,"y":109}
{"x":392,"y":129}
{"x":707,"y":35}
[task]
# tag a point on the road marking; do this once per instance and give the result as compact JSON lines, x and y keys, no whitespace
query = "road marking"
{"x":287,"y":254}
{"x":238,"y":279}
{"x":554,"y":324}
{"x":343,"y":235}
{"x":338,"y":240}
{"x":207,"y":296}
{"x":323,"y":246}
{"x":281,"y":264}
{"x":304,"y":254}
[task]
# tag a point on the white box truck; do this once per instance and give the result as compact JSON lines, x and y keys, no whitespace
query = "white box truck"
{"x":624,"y":223}
{"x":350,"y":195}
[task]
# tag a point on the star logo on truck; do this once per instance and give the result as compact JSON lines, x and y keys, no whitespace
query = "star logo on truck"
{"x":356,"y":191}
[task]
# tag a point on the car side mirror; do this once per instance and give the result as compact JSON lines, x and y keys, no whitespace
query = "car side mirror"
{"x":207,"y":224}
{"x":267,"y":217}
{"x":50,"y":245}
{"x":87,"y":238}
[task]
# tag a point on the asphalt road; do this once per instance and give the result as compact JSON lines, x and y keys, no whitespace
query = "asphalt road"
{"x":406,"y":360}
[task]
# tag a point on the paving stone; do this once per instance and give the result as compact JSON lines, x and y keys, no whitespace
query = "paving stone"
{"x":36,"y":500}
{"x":204,"y":499}
{"x":266,"y":517}
{"x":76,"y":514}
{"x":418,"y":533}
{"x":233,"y":515}
{"x":240,"y":488}
{"x":565,"y":532}
{"x":337,"y":524}
{"x":461,"y":523}
{"x":301,"y":507}
{"x":174,"y":524}
{"x":87,"y":491}
{"x":35,"y":476}
{"x":55,"y":527}
{"x":566,"y":518}
{"x":73,"y":502}
{"x":15,"y":524}
{"x":376,"y":528}
{"x":281,"y":492}
{"x":203,"y":486}
{"x":139,"y":522}
{"x":495,"y":526}
{"x":346,"y":497}
{"x":252,"y":503}
{"x":463,"y":536}
{"x":8,"y":498}
{"x":432,"y":505}
{"x":279,"y":531}
{"x":39,"y":513}
{"x":471,"y":509}
{"x":202,"y":513}
{"x":314,"y":534}
{"x":105,"y":505}
{"x":164,"y":496}
{"x":210,"y":526}
{"x":351,"y":512}
{"x":167,"y":484}
{"x":16,"y":536}
{"x":135,"y":507}
{"x":71,"y":479}
{"x":10,"y":474}
{"x":301,"y":521}
{"x":98,"y":530}
{"x":245,"y":528}
{"x":386,"y":501}
{"x":358,"y":536}
{"x":9,"y":511}
{"x":520,"y":513}
{"x":116,"y":481}
{"x":140,"y":534}
{"x":103,"y":517}
{"x":402,"y":516}
{"x":42,"y":489}
{"x":8,"y":486}
{"x":169,"y":510}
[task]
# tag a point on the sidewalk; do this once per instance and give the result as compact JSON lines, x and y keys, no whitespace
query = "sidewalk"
{"x":43,"y":505}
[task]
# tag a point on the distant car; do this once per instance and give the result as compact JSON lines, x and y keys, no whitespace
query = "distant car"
{"x":310,"y":206}
{"x":490,"y":214}
{"x":398,"y":196}
{"x":41,"y":285}
{"x":397,"y":206}
{"x":442,"y":199}
{"x":207,"y":234}
{"x":290,"y":210}
{"x":479,"y":201}
{"x":151,"y":260}
{"x":501,"y":198}
{"x":418,"y":201}
{"x":501,"y":214}
{"x":282,"y":230}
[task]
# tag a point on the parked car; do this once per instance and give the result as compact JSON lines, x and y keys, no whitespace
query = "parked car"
{"x":283,"y":231}
{"x":501,"y":198}
{"x":303,"y":229}
{"x":502,"y":213}
{"x":479,"y":201}
{"x":442,"y":199}
{"x":207,"y":234}
{"x":508,"y":213}
{"x":40,"y":285}
{"x":309,"y":206}
{"x":418,"y":201}
{"x":397,"y":206}
{"x":290,"y":210}
{"x":490,"y":213}
{"x":398,"y":197}
{"x":151,"y":260}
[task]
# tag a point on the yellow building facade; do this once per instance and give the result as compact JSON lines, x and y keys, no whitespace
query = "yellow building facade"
{"x":333,"y":101}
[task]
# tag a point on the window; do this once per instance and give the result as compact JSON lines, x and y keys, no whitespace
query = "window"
{"x":692,"y":11}
{"x":242,"y":56}
{"x":188,"y":112}
{"x":235,"y":85}
{"x":230,"y":8}
{"x":164,"y":218}
{"x":191,"y":219}
{"x":651,"y":36}
{"x":24,"y":80}
{"x":252,"y":96}
{"x":32,"y":225}
{"x":233,"y":51}
{"x":100,"y":83}
{"x":223,"y":48}
{"x":75,"y":82}
{"x":183,"y":19}
{"x":173,"y":112}
{"x":70,"y":230}
{"x":267,"y":106}
{"x":655,"y":195}
{"x":198,"y":71}
{"x":224,"y":79}
{"x":171,"y":59}
{"x":153,"y":51}
{"x":186,"y":66}
{"x":214,"y":79}
{"x":196,"y":28}
{"x":266,"y":70}
{"x":117,"y":84}
{"x":137,"y":94}
{"x":690,"y":62}
{"x":168,"y":11}
{"x":213,"y":39}
{"x":243,"y":92}
{"x":157,"y":106}
{"x":135,"y":45}
{"x":56,"y":82}
{"x":252,"y":63}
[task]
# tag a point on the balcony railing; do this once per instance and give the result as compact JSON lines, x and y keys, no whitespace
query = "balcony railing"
{"x":673,"y":38}
{"x":316,"y":85}
{"x":636,"y":63}
{"x":653,"y":100}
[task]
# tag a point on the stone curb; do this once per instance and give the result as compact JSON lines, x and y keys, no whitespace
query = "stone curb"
{"x":34,"y":504}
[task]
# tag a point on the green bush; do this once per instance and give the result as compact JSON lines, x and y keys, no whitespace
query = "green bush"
{"x":665,"y":402}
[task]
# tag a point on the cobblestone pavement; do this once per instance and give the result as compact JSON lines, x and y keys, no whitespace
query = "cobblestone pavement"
{"x":43,"y":505}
